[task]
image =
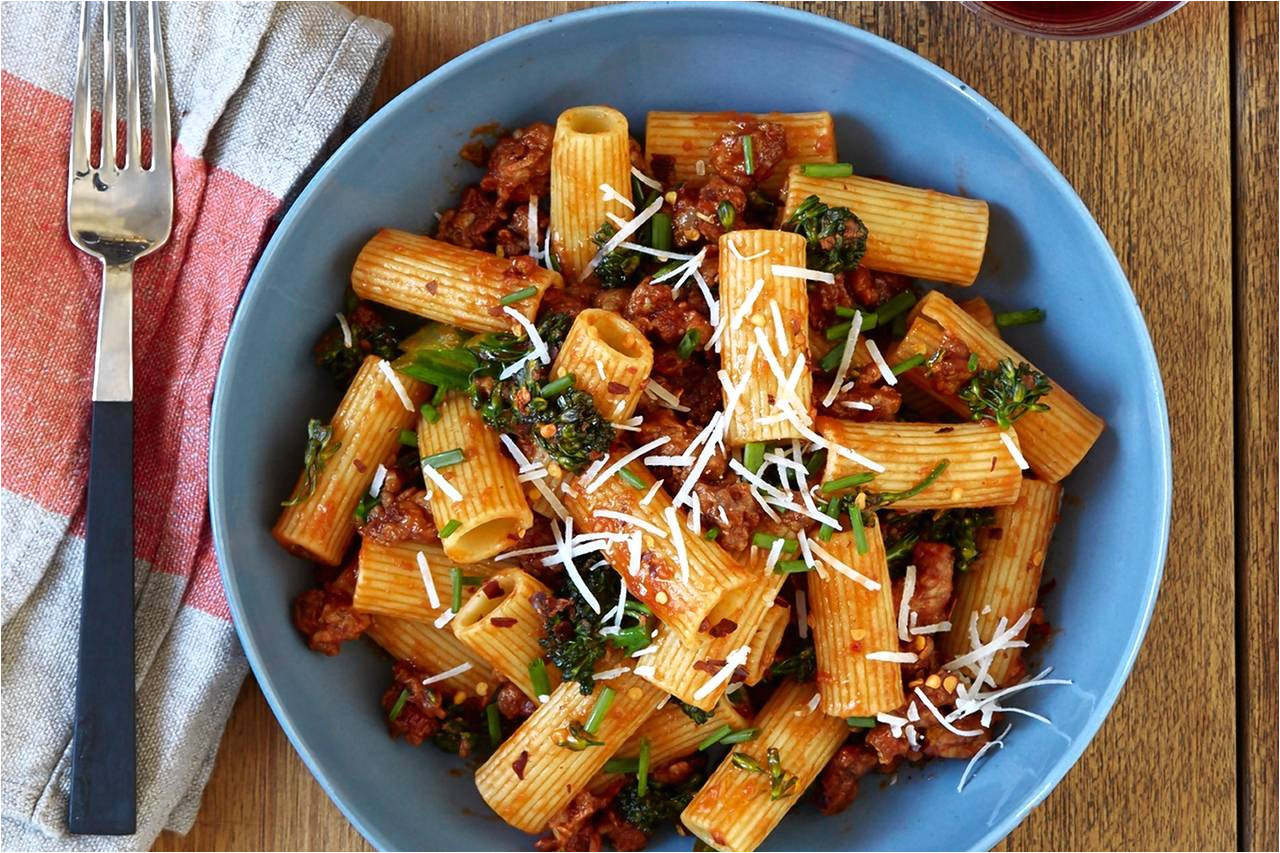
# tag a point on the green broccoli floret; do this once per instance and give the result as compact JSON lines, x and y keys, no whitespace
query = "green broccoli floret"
{"x":955,"y":527}
{"x":659,"y":804}
{"x":802,"y":665}
{"x":571,"y":635}
{"x":618,"y":268}
{"x":1006,"y":393}
{"x":698,"y":715}
{"x":370,"y":335}
{"x":836,"y":237}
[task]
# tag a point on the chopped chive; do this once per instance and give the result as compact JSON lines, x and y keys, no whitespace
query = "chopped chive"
{"x":748,"y":155}
{"x":642,"y":768}
{"x":538,"y":675}
{"x":437,"y":398}
{"x":973,"y":362}
{"x":827,"y":170}
{"x":861,"y":722}
{"x":473,"y":580}
{"x":839,"y":331}
{"x":557,"y":386}
{"x":831,"y":360}
{"x":367,"y":503}
{"x":408,"y":438}
{"x":637,"y":608}
{"x":598,"y":712}
{"x":555,"y":261}
{"x":907,"y":364}
{"x":753,"y":456}
{"x":815,"y":461}
{"x":869,"y":318}
{"x":845,"y":311}
{"x":631,"y":479}
{"x":870,"y":321}
{"x":631,"y":639}
{"x":859,"y":530}
{"x":711,"y":534}
{"x":791,"y":567}
{"x":455,"y":578}
{"x":448,"y":529}
{"x":741,"y":736}
{"x":495,"y":723}
{"x":516,"y":295}
{"x":899,"y":326}
{"x":1020,"y":318}
{"x":745,"y":762}
{"x":847,"y":482}
{"x":445,"y":458}
{"x":399,"y":705}
{"x":890,"y":497}
{"x":688,"y":343}
{"x":832,"y":509}
{"x":766,"y":540}
{"x":726,"y":213}
{"x":661,"y":234}
{"x":622,"y":765}
{"x":895,"y":306}
{"x":715,"y":737}
{"x":429,"y":413}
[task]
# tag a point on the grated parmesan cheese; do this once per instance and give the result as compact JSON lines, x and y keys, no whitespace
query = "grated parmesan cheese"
{"x":786,"y":271}
{"x":390,"y":374}
{"x":448,"y":673}
{"x":346,"y":330}
{"x":379,"y":477}
{"x":1018,"y":458}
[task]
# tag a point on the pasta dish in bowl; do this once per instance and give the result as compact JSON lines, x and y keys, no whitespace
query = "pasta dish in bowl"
{"x":680,"y":477}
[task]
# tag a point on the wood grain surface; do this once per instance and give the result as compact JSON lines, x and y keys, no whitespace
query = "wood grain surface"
{"x":1147,"y":127}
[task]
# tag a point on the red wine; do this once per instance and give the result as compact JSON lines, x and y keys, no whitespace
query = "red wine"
{"x":1074,"y":20}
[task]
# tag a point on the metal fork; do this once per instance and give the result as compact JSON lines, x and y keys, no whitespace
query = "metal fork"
{"x":118,"y":215}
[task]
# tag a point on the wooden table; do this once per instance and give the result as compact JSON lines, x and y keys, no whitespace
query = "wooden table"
{"x":1169,"y":135}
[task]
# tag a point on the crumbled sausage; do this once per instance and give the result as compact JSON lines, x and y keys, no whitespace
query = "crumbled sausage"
{"x":325,"y":615}
{"x":768,"y":147}
{"x":472,"y":223}
{"x":520,"y":165}
{"x":838,"y":784}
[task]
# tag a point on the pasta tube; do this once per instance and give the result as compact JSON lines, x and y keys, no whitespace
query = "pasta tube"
{"x":736,"y":809}
{"x":1053,"y":441}
{"x":765,"y":339}
{"x":851,"y":621}
{"x":767,"y":638}
{"x":440,"y":281}
{"x":557,"y":751}
{"x":915,"y":232}
{"x":590,"y":179}
{"x":498,"y":622}
{"x":435,"y":650}
{"x":980,"y":470}
{"x":1004,"y":582}
{"x":365,"y":432}
{"x":685,"y":139}
{"x":608,"y":358}
{"x":681,"y":576}
{"x":389,"y":579}
{"x":483,"y":495}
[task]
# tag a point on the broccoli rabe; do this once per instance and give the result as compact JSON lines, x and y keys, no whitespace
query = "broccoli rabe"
{"x":1006,"y":393}
{"x":618,"y":268}
{"x":836,"y":237}
{"x":956,"y":527}
{"x":659,"y":803}
{"x":370,"y":335}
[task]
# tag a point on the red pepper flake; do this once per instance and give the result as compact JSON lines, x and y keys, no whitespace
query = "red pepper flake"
{"x":710,"y":666}
{"x":724,"y":627}
{"x":503,"y":621}
{"x":944,"y":429}
{"x":359,"y":466}
{"x":739,"y":674}
{"x":520,"y":764}
{"x":618,"y":388}
{"x":779,"y":601}
{"x":431,"y":285}
{"x":492,"y":589}
{"x":993,"y":463}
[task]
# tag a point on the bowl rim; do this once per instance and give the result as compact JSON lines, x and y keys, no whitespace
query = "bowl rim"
{"x":766,"y":14}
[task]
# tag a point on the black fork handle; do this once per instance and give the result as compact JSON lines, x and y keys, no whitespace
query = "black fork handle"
{"x":103,"y":771}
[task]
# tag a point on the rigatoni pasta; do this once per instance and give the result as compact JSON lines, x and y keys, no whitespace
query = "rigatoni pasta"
{"x":389,"y":579}
{"x":536,"y":772}
{"x":499,"y":623}
{"x":915,"y":232}
{"x":736,"y":809}
{"x":976,"y":468}
{"x":435,"y":650}
{"x":685,"y":140}
{"x":1053,"y":441}
{"x":590,"y":181}
{"x":681,"y":576}
{"x":480,"y":490}
{"x":764,"y":342}
{"x":608,"y":358}
{"x":318,"y":524}
{"x":1002,"y":586}
{"x":850,"y":622}
{"x":439,"y":281}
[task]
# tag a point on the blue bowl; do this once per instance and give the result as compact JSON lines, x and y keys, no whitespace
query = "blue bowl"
{"x":896,"y":115}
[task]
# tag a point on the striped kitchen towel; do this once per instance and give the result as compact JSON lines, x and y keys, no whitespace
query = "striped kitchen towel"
{"x":261,"y":94}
